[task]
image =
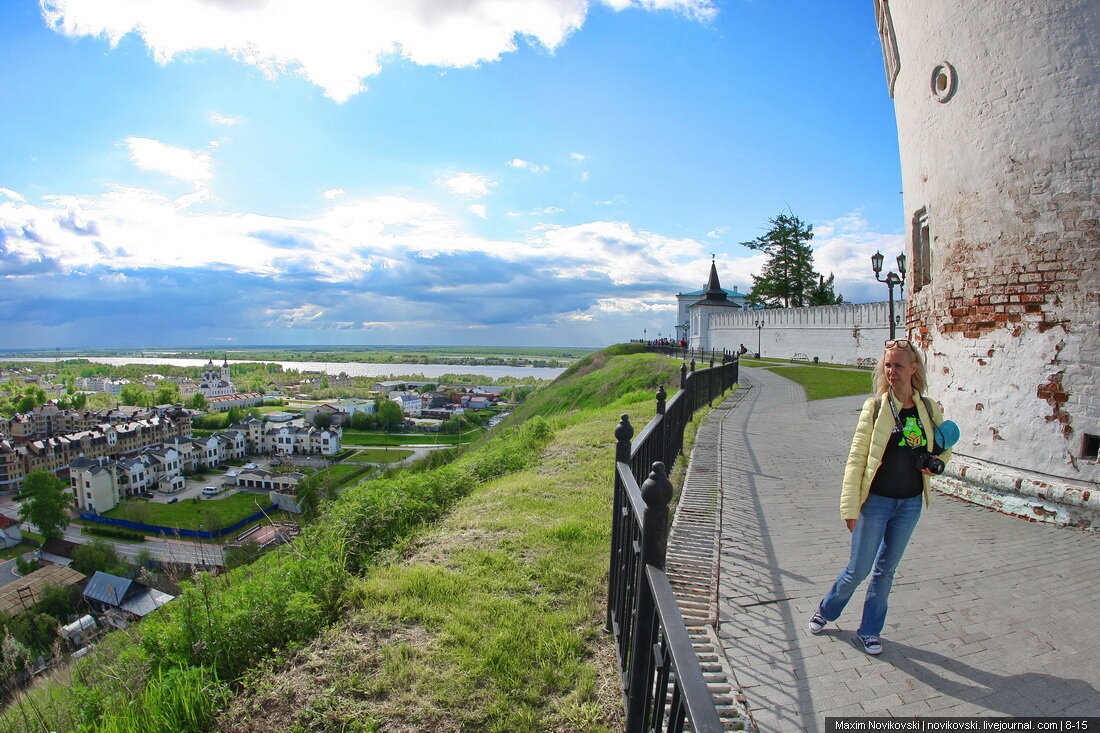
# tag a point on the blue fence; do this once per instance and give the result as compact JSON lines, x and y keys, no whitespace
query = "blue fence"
{"x":175,"y":531}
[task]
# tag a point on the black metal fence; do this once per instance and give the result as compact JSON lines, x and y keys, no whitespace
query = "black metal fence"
{"x":662,"y":681}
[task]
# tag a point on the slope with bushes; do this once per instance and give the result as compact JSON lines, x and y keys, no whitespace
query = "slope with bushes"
{"x":460,"y":597}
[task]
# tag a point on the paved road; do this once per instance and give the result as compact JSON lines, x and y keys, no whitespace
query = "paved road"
{"x":990,"y":615}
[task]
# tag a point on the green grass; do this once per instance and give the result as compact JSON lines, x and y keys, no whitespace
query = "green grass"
{"x":345,"y":473}
{"x":433,"y":626}
{"x":822,"y":383}
{"x":359,"y":437}
{"x":450,"y":643}
{"x":379,"y":455}
{"x":187,"y":514}
{"x":10,"y":553}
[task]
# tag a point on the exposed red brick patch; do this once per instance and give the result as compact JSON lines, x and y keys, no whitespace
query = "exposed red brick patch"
{"x":1055,"y":396}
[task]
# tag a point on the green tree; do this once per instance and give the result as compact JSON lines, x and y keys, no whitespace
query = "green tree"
{"x":98,"y":555}
{"x":309,"y":499}
{"x":362,"y":421}
{"x":26,"y":403}
{"x":246,"y":554}
{"x":46,"y":503}
{"x":322,"y":420}
{"x":58,"y":601}
{"x":197,"y":401}
{"x":78,"y":401}
{"x":167,"y":393}
{"x":134,"y":394}
{"x":788,"y":275}
{"x":389,"y":415}
{"x":822,"y":293}
{"x":36,"y":631}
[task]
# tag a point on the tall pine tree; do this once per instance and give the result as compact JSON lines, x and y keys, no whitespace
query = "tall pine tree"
{"x":822,"y":293}
{"x":788,"y":279}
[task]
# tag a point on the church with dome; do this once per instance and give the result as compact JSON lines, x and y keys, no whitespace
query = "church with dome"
{"x":215,"y":381}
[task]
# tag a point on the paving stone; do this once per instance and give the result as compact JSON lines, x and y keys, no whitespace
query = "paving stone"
{"x":985,"y":615}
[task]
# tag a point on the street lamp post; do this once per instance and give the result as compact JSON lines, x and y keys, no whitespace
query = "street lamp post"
{"x":759,"y":329}
{"x":892,"y":279}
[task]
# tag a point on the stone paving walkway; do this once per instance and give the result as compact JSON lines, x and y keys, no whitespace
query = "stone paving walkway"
{"x":990,"y":615}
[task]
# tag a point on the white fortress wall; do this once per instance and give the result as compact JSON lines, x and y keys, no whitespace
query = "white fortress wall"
{"x":838,"y":334}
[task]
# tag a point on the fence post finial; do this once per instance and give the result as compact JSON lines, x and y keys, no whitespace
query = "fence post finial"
{"x":661,"y":397}
{"x":657,"y":488}
{"x":683,"y":375}
{"x":693,"y":365}
{"x":623,"y":433}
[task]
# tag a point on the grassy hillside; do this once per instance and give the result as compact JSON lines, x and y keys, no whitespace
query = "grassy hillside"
{"x":464,"y":597}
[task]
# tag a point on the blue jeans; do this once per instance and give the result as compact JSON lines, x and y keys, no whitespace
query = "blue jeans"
{"x":878,"y":540}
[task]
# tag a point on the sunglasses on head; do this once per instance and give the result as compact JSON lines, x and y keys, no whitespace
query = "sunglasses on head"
{"x":898,"y":344}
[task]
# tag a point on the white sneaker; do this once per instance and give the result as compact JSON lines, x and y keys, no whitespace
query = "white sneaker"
{"x":871,"y":645}
{"x":817,"y":623}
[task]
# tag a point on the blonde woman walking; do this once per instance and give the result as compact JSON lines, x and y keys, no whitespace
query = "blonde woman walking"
{"x":885,"y":487}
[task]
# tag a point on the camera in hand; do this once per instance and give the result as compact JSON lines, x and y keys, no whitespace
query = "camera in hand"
{"x":929,"y":461}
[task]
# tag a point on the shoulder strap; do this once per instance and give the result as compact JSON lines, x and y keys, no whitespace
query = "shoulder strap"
{"x":928,"y":406}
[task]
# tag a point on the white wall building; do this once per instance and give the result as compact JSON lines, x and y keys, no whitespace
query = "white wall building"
{"x":999,"y":132}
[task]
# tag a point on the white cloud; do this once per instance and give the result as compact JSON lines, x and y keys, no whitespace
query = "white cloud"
{"x":334,"y":193}
{"x":469,"y":185}
{"x":295,"y":317}
{"x":578,"y":156}
{"x":479,"y":210}
{"x":528,"y":165}
{"x":219,"y":119}
{"x":717,"y":232}
{"x":181,"y":163}
{"x":337,"y":43}
{"x":844,"y":247}
{"x":11,"y":194}
{"x":547,"y":210}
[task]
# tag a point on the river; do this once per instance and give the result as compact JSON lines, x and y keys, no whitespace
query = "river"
{"x":355,"y":369}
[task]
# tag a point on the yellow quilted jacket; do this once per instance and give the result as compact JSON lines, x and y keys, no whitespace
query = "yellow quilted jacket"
{"x":869,"y":445}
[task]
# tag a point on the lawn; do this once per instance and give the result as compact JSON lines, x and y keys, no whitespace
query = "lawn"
{"x":9,"y":553}
{"x":378,"y":455}
{"x":442,"y":637}
{"x":359,"y":437}
{"x":822,"y":383}
{"x":188,"y":514}
{"x":346,"y":473}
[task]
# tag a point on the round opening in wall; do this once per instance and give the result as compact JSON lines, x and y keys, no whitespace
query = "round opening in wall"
{"x":944,"y":82}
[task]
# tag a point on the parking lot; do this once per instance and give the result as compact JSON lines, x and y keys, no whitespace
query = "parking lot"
{"x":194,"y":486}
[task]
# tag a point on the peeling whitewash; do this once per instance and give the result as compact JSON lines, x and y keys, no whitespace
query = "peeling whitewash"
{"x":999,"y":132}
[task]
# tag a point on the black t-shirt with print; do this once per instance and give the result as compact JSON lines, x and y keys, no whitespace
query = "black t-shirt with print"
{"x":898,"y":476}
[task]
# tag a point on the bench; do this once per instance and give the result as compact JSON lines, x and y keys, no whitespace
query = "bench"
{"x":801,"y":357}
{"x":868,"y":362}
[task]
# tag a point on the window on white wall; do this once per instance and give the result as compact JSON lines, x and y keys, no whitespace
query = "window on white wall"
{"x":889,"y":43}
{"x":921,"y":267}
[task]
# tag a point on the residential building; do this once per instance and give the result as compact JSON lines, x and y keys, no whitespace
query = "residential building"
{"x":10,"y":534}
{"x":109,"y":385}
{"x":294,"y":437}
{"x":21,"y":595}
{"x":122,"y":600}
{"x":105,"y":440}
{"x":257,"y":478}
{"x":340,"y":411}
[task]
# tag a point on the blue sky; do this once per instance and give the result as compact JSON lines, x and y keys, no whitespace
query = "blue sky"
{"x":536,"y":172}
